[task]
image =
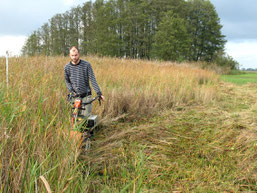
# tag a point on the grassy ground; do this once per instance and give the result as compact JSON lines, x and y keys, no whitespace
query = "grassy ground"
{"x":198,"y":148}
{"x":164,"y":128}
{"x":240,"y":79}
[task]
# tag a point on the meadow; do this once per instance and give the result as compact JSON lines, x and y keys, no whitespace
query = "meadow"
{"x":164,"y":127}
{"x":240,"y":79}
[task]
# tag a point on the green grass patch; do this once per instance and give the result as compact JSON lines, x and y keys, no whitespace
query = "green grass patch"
{"x":240,"y":79}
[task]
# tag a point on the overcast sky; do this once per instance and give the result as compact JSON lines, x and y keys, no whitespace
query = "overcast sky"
{"x":239,"y":20}
{"x":21,"y":17}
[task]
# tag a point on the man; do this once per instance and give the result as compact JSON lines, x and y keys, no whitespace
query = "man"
{"x":77,"y":74}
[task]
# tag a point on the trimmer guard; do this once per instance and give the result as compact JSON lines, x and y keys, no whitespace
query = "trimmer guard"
{"x":92,"y":121}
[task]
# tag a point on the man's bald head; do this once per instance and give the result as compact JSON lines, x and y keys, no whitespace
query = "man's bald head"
{"x":74,"y":49}
{"x":74,"y":55}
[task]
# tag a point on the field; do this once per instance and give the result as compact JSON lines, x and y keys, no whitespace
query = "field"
{"x":240,"y":79}
{"x":164,"y":128}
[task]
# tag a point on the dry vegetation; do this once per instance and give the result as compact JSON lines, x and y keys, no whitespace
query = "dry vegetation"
{"x":164,"y":127}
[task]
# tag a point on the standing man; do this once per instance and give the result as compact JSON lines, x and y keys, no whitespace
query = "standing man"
{"x":77,"y":74}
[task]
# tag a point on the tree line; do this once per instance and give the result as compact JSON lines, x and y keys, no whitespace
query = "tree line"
{"x":174,"y":30}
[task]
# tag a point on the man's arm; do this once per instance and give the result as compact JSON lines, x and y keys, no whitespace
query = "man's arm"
{"x":93,"y":80}
{"x":67,"y":80}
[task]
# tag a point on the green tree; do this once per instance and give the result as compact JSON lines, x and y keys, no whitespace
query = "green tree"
{"x":107,"y":39}
{"x":88,"y":31}
{"x":171,"y":40}
{"x":205,"y":30}
{"x":224,"y":60}
{"x":55,"y":40}
{"x":73,"y":30}
{"x":32,"y":45}
{"x":165,"y":29}
{"x":45,"y":39}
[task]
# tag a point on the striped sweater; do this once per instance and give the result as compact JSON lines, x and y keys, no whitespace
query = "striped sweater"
{"x":77,"y":78}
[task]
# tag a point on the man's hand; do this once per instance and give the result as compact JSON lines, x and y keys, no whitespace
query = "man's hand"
{"x":70,"y":95}
{"x":102,"y":98}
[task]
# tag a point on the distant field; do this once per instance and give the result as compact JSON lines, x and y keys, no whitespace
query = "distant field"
{"x":240,"y":79}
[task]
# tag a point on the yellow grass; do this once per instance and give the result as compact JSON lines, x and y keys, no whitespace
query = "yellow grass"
{"x":130,"y":86}
{"x":35,"y":114}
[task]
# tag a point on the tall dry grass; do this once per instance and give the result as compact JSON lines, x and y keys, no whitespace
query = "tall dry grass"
{"x":137,"y":87}
{"x":35,"y":115}
{"x":131,"y":86}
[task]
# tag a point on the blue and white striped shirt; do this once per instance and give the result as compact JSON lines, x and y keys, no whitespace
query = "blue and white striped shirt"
{"x":77,"y":78}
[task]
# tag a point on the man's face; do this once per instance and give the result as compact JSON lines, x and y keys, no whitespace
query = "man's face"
{"x":74,"y":55}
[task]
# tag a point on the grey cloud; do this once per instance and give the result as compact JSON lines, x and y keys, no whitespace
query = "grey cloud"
{"x":239,"y":18}
{"x":23,"y":17}
{"x":20,"y":25}
{"x":239,"y":30}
